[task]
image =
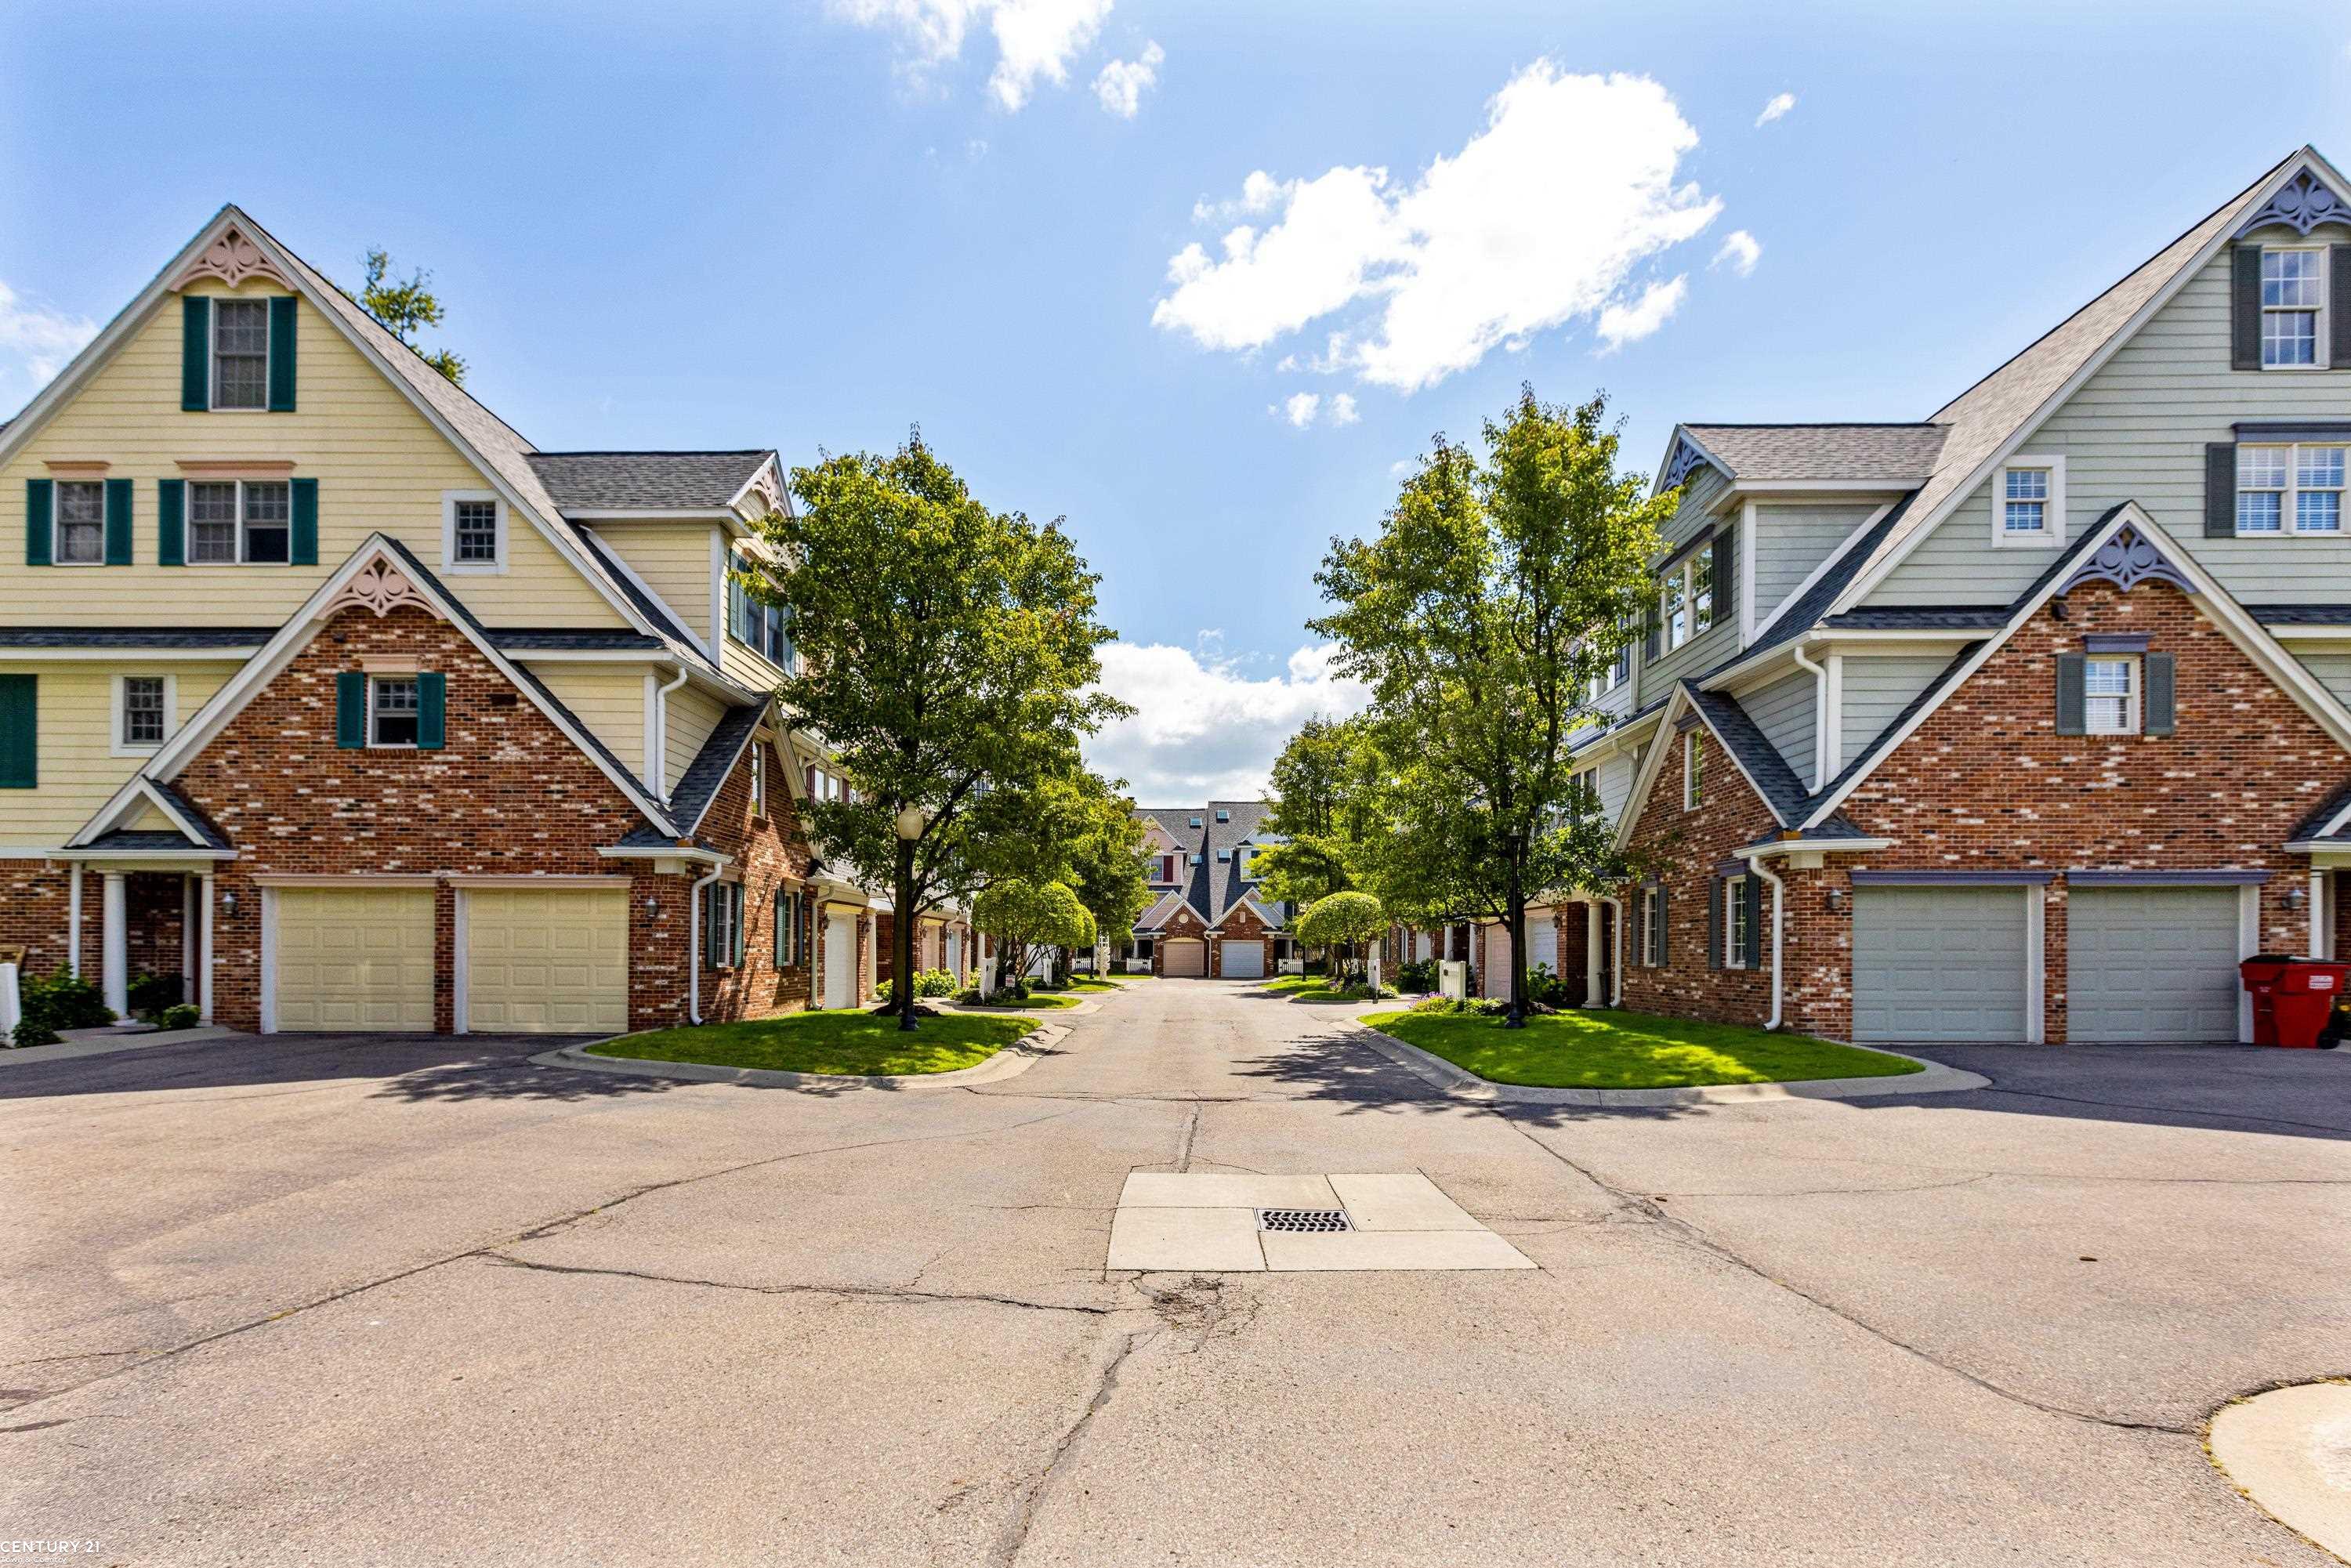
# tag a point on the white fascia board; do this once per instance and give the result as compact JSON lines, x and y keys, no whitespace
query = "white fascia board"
{"x":1915,"y":531}
{"x":1808,"y":847}
{"x":663,"y":853}
{"x":2282,"y":633}
{"x":1788,"y":489}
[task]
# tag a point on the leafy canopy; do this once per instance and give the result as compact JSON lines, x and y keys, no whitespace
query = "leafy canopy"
{"x":404,"y":304}
{"x":1323,"y":784}
{"x":1342,"y":918}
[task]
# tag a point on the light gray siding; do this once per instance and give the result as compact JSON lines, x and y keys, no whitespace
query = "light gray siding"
{"x":1874,"y":689}
{"x":1699,"y":497}
{"x":2137,"y":431}
{"x":2333,"y":668}
{"x":1613,"y":780}
{"x":1789,"y":542}
{"x":1700,"y":654}
{"x":1695,"y":657}
{"x":1784,"y":712}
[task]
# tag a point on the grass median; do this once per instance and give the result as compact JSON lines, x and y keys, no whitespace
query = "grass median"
{"x":1607,"y":1050}
{"x":836,"y":1044}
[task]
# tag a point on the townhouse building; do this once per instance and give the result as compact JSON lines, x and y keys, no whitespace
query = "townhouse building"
{"x":2026,"y":721}
{"x":327,"y":693}
{"x":1207,"y":919}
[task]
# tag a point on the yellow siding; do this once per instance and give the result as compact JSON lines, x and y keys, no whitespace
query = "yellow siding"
{"x":608,"y":699}
{"x":674,"y":560}
{"x":76,"y":772}
{"x":153,"y":821}
{"x":379,"y":463}
{"x":747,"y":668}
{"x":692,"y":714}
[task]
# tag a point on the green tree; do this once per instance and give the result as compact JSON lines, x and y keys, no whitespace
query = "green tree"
{"x":1321,"y":785}
{"x":1106,"y":866}
{"x":949,"y":658}
{"x":404,"y":304}
{"x":1343,"y":923}
{"x":1026,"y":917}
{"x":1499,"y":587}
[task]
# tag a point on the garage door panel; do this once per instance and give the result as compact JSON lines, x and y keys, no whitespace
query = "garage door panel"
{"x":2151,"y":964}
{"x":352,"y":960}
{"x":1187,"y":958}
{"x":546,"y":961}
{"x":1938,"y":963}
{"x":1244,"y":960}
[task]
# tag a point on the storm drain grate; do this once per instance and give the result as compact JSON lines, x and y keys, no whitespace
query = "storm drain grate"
{"x":1316,"y":1219}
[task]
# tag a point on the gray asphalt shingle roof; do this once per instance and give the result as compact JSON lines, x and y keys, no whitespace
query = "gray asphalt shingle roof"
{"x":708,"y":770}
{"x":1902,"y":452}
{"x":1213,"y":887}
{"x":643,"y":481}
{"x":231,"y":637}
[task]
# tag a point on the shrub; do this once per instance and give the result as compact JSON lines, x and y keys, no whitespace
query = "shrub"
{"x":1482,"y":1007}
{"x":150,"y":994}
{"x":1419,"y":974}
{"x":1546,"y":989}
{"x":179,"y":1015}
{"x":935,"y":983}
{"x":62,"y":1002}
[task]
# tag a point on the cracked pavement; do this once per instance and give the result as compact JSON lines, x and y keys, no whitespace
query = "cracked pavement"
{"x":375,"y":1300}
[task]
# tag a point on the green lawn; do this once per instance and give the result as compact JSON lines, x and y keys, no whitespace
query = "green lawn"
{"x":1088,"y":982}
{"x":1036,"y":999}
{"x":1309,"y":988}
{"x":845,"y":1042}
{"x":1607,"y":1050}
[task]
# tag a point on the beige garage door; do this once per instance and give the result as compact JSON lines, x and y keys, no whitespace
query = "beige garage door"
{"x":354,"y":959}
{"x":1187,"y":957}
{"x":546,"y":960}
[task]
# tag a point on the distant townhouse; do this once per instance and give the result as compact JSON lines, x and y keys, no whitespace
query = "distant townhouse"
{"x":325,"y":692}
{"x":1207,"y":919}
{"x":2022,"y":722}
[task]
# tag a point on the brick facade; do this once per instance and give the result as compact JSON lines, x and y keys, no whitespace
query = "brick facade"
{"x":1183,"y":923}
{"x":1241,"y":927}
{"x":1683,"y":850}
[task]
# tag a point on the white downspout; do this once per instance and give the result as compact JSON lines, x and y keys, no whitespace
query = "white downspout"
{"x":694,"y":944}
{"x":1779,"y":889}
{"x":657,"y":765}
{"x":1820,"y":774}
{"x":1616,"y":997}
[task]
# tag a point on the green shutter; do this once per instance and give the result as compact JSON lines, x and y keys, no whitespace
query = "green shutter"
{"x":2159,"y":703}
{"x":2071,"y":708}
{"x":118,"y":522}
{"x":432,"y":711}
{"x":304,"y":501}
{"x":281,"y":354}
{"x":196,"y":353}
{"x":351,"y":710}
{"x":20,"y":713}
{"x":2245,"y":309}
{"x":38,"y":494}
{"x":171,"y":522}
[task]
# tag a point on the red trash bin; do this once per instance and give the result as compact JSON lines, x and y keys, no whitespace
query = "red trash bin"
{"x":2292,"y":997}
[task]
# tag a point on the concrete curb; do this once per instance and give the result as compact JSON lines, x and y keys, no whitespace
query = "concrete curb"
{"x":1086,"y":1005}
{"x":70,"y":1047}
{"x":1460,"y":1084}
{"x":1009,"y":1062}
{"x":2286,"y":1449}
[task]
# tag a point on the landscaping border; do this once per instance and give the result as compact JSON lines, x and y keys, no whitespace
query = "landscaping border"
{"x":1460,"y":1083}
{"x":1012,"y":1061}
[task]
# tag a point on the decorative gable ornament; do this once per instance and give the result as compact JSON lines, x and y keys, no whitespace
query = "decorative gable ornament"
{"x":2128,"y":560}
{"x":381,"y":587}
{"x":233,"y":259}
{"x":2304,"y":204}
{"x":1685,"y":457}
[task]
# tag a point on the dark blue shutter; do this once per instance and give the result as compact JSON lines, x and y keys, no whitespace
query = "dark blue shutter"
{"x":1716,"y":925}
{"x":2245,"y":309}
{"x":432,"y":711}
{"x":20,"y":715}
{"x":351,"y":710}
{"x":1752,"y":889}
{"x":1726,"y":576}
{"x":37,"y":499}
{"x":281,"y":354}
{"x":2073,"y":708}
{"x":2220,"y":490}
{"x":2338,"y":307}
{"x":2159,"y":702}
{"x":196,"y":353}
{"x":171,"y":522}
{"x":118,"y":522}
{"x":305,"y":507}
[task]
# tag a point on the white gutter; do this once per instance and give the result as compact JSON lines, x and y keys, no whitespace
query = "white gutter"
{"x":657,"y":765}
{"x":1778,"y":989}
{"x":694,"y":944}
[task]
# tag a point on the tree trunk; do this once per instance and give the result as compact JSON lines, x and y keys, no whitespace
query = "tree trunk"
{"x":902,"y":934}
{"x":1515,"y":909}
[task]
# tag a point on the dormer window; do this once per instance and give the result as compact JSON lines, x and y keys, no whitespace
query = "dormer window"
{"x":1224,"y":816}
{"x":1224,"y":856}
{"x":1195,"y":822}
{"x":2294,"y":297}
{"x":240,"y":354}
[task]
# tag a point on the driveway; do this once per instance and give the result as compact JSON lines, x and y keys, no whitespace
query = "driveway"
{"x":419,"y":1302}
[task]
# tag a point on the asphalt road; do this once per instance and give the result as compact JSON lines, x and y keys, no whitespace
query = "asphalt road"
{"x":375,"y":1300}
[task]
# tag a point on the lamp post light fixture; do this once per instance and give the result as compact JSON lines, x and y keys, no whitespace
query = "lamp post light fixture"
{"x":911,"y":820}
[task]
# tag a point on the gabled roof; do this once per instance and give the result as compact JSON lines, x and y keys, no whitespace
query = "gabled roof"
{"x":1900,"y":456}
{"x":648,"y":481}
{"x":690,"y":801}
{"x":1213,"y":888}
{"x":232,"y":638}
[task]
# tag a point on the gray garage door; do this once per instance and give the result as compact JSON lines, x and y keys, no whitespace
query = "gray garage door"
{"x":2151,"y":964}
{"x":1938,"y":963}
{"x":1243,"y":961}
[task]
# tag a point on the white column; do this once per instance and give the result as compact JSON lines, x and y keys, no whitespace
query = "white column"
{"x":2321,"y":920}
{"x":73,"y":921}
{"x":114,"y":939}
{"x":1592,"y":997}
{"x":204,"y":946}
{"x":187,"y":938}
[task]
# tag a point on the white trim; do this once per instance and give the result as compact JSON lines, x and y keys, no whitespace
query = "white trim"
{"x":1747,"y":554}
{"x":1829,"y":760}
{"x":458,"y":975}
{"x":2288,"y":673}
{"x":205,"y":949}
{"x":2320,"y":359}
{"x":73,"y":919}
{"x":345,"y":879}
{"x":1899,"y":549}
{"x":651,"y":770}
{"x":1245,"y":901}
{"x":116,"y":744}
{"x":234,"y":655}
{"x":187,"y":936}
{"x":449,"y":561}
{"x":2036,"y":963}
{"x":1893,"y":486}
{"x":212,"y":353}
{"x":718,"y":594}
{"x":242,"y":523}
{"x":268,"y":960}
{"x":2053,"y":508}
{"x":2322,"y":929}
{"x":661,"y":656}
{"x":2248,"y":942}
{"x":117,"y":813}
{"x":1693,"y":768}
{"x":652,"y":514}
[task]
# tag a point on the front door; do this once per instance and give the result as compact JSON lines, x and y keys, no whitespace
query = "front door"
{"x":840,"y":962}
{"x":1607,"y":996}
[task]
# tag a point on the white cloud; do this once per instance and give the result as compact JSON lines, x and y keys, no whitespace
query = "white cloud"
{"x":1507,"y":238}
{"x":1621,"y":324}
{"x":39,"y":341}
{"x":1298,"y":408}
{"x":1123,"y":83}
{"x":1741,"y":250}
{"x":1342,"y":409}
{"x":1205,"y":729}
{"x":1773,"y":111}
{"x":1035,"y":39}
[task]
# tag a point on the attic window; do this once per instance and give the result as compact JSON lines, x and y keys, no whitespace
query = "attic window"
{"x":2028,"y":501}
{"x":1224,"y":816}
{"x":240,"y":354}
{"x":1223,"y":856}
{"x":2293,"y":296}
{"x":1195,"y":822}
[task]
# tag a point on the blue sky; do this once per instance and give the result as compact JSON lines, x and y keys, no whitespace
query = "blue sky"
{"x":808,"y":227}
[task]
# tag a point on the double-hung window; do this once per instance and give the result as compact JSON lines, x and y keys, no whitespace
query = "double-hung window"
{"x":2289,"y":489}
{"x":392,"y":712}
{"x":240,"y":354}
{"x":143,"y":712}
{"x":2294,"y":297}
{"x":472,"y":531}
{"x":2025,"y":501}
{"x":788,"y":909}
{"x":80,"y":523}
{"x":2028,"y":501}
{"x":240,"y":521}
{"x":1647,"y":948}
{"x":2110,"y":696}
{"x":1693,"y":771}
{"x":759,"y":780}
{"x":1737,"y":936}
{"x":724,"y":926}
{"x":1686,"y":607}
